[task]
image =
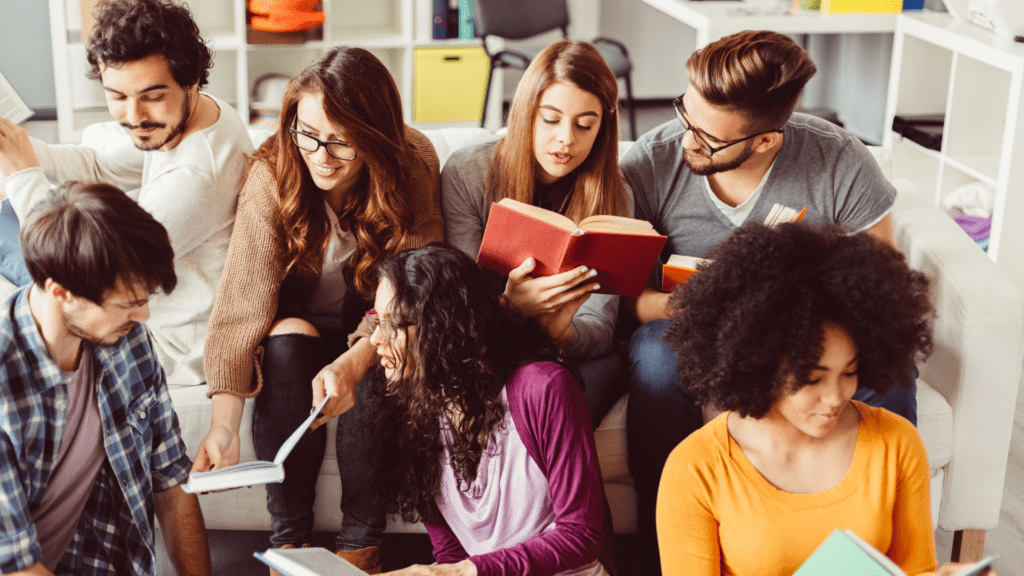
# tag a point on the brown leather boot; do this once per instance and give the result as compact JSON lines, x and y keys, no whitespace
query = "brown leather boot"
{"x":285,"y":547}
{"x":366,"y":559}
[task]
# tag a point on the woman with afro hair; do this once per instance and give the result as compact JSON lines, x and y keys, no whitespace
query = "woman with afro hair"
{"x":779,"y":331}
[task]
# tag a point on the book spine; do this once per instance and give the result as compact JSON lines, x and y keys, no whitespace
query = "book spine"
{"x":465,"y":20}
{"x":440,"y":19}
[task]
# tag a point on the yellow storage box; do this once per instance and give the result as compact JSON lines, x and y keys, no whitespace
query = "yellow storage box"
{"x":449,"y":83}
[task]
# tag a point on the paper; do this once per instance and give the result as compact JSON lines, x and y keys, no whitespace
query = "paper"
{"x":12,"y":107}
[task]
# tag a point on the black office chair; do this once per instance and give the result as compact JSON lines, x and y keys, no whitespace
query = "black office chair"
{"x":516,"y":19}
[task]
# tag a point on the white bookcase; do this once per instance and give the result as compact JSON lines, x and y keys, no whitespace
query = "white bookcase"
{"x":946,"y":66}
{"x":391,"y":29}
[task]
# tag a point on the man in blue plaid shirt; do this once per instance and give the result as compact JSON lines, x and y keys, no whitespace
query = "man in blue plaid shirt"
{"x":89,"y":444}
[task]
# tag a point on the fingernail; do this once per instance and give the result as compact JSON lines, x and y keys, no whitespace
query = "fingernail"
{"x":312,"y":409}
{"x":584,"y":269}
{"x":593,"y":273}
{"x":597,"y":286}
{"x":529,"y":261}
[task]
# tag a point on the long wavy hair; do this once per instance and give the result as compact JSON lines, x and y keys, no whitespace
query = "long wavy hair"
{"x":359,"y":96}
{"x":462,"y":346}
{"x":598,"y":188}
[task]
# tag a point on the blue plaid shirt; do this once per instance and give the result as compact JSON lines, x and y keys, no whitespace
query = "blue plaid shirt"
{"x":145,"y":453}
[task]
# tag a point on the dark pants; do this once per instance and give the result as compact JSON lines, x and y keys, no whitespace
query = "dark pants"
{"x":661,"y":414}
{"x":604,"y":382}
{"x":290,"y":362}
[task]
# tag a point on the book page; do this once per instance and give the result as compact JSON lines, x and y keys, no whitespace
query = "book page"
{"x":292,"y":440}
{"x":308,"y":562}
{"x":539,"y":213}
{"x":610,"y":223}
{"x":12,"y":107}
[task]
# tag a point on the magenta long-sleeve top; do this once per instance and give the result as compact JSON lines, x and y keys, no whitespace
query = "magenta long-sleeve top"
{"x":535,"y":505}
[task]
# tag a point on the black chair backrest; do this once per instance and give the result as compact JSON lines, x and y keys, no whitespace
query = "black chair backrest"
{"x":514,"y":19}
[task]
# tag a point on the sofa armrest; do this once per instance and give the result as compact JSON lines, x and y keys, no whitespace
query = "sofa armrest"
{"x":976,"y":363}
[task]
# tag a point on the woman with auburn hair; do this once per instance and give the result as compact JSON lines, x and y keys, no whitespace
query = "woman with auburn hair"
{"x":782,"y":343}
{"x":560,"y":153}
{"x":342,"y":185}
{"x":475,"y":427}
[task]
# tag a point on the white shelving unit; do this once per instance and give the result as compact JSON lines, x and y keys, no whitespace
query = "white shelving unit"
{"x":391,"y":29}
{"x":385,"y":27}
{"x":946,"y":66}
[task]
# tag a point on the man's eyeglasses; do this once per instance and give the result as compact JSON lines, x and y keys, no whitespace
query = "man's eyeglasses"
{"x":387,"y":327}
{"x":705,"y":147}
{"x":309,"y":143}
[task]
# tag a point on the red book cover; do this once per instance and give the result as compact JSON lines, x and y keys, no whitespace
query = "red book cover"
{"x":622,"y":250}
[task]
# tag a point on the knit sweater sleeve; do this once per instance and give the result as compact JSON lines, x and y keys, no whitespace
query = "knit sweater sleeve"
{"x":247,"y":298}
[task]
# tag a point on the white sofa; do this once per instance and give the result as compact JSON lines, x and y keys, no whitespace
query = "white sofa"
{"x":966,"y":394}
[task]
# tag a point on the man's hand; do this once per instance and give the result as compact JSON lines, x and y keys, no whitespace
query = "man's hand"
{"x":557,"y":324}
{"x":531,"y":296}
{"x":339,"y":378}
{"x":464,"y":568}
{"x":651,"y":305}
{"x":16,"y":151}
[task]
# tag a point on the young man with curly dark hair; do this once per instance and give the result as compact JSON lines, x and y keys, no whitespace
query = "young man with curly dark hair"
{"x":90,"y":448}
{"x":184,"y":161}
{"x":736,"y":149}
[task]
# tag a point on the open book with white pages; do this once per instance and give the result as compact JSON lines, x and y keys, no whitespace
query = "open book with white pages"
{"x":251,"y":473}
{"x":307,"y":562}
{"x":12,"y":107}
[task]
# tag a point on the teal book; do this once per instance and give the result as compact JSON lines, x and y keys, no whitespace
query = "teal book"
{"x":466,"y":20}
{"x":844,"y":553}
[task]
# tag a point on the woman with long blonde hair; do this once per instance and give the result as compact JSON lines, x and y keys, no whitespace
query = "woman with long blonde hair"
{"x":560,"y":153}
{"x":341,"y":186}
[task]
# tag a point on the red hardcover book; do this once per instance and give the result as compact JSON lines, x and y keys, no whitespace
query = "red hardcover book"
{"x":622,"y":250}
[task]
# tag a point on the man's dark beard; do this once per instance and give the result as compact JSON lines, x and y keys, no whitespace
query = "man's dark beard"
{"x":174,"y":133}
{"x":75,"y":330}
{"x":712,"y":168}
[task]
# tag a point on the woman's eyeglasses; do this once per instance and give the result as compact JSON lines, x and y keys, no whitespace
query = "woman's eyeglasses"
{"x":309,"y":143}
{"x":387,"y":327}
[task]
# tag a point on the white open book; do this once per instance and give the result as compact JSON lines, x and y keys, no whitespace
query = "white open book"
{"x":307,"y":562}
{"x":12,"y":107}
{"x":251,"y":473}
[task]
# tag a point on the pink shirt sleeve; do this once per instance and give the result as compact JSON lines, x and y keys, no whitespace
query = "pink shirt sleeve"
{"x":551,"y":417}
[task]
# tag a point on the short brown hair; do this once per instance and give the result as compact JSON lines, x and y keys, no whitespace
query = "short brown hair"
{"x":759,"y":74}
{"x":87,"y":236}
{"x":130,"y":30}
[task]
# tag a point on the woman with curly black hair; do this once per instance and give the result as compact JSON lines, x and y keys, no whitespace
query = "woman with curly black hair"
{"x":779,"y":331}
{"x":477,"y":431}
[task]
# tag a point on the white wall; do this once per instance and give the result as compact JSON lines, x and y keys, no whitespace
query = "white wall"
{"x":26,"y":57}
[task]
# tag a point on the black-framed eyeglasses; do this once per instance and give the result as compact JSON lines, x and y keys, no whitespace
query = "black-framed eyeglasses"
{"x":705,"y":147}
{"x":310,"y":143}
{"x":387,"y":327}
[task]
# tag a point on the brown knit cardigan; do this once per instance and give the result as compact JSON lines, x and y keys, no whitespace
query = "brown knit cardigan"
{"x":253,"y":287}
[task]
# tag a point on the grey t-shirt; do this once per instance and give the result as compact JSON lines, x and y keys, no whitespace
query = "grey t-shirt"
{"x":78,"y":464}
{"x":465,"y":206}
{"x":820,"y":167}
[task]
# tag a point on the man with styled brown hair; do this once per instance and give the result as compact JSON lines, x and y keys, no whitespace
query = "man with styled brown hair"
{"x":90,"y":448}
{"x":183,"y":161}
{"x":736,"y":150}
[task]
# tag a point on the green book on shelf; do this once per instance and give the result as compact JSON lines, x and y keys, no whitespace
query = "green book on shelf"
{"x":844,"y":553}
{"x":466,"y":20}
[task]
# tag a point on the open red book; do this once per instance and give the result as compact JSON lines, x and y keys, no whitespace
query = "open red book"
{"x":622,"y":250}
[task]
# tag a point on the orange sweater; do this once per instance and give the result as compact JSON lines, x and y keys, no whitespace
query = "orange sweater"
{"x":717,"y":515}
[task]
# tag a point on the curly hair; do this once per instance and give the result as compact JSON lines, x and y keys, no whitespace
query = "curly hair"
{"x":598,"y":188}
{"x":750,"y":326}
{"x":359,"y":95}
{"x":130,"y":30}
{"x":464,"y":348}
